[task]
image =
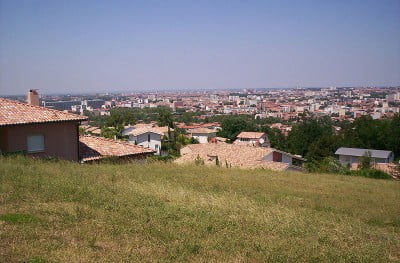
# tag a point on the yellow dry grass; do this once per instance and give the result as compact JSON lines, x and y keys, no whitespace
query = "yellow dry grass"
{"x":66,"y":212}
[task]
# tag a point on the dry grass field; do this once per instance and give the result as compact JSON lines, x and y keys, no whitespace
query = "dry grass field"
{"x":53,"y":211}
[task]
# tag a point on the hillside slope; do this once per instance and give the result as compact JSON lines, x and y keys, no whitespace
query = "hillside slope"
{"x":63,"y":212}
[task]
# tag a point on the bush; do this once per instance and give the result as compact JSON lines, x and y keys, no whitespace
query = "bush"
{"x":371,"y":173}
{"x":326,"y":165}
{"x":156,"y":158}
{"x":198,"y":160}
{"x":332,"y":165}
{"x":365,"y":161}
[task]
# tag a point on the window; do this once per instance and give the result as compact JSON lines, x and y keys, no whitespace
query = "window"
{"x":156,"y":146}
{"x":35,"y":143}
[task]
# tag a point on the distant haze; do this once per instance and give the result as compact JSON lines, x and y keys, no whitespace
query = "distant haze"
{"x":89,"y":46}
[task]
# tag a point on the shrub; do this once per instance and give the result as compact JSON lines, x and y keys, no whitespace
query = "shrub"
{"x":371,"y":173}
{"x":167,"y":158}
{"x":198,"y":160}
{"x":326,"y":165}
{"x":332,"y":165}
{"x":365,"y":160}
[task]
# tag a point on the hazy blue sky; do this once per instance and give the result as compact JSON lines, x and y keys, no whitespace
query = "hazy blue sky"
{"x":87,"y":46}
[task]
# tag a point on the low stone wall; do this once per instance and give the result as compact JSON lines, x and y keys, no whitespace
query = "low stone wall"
{"x":389,"y":168}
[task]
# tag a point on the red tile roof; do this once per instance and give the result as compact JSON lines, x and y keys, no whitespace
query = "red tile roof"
{"x":252,"y":135}
{"x":230,"y":154}
{"x":14,"y":112}
{"x":95,"y":148}
{"x":201,"y":131}
{"x":198,"y":125}
{"x":144,"y":130}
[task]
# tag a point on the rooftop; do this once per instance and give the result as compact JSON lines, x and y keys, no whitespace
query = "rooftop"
{"x":361,"y":152}
{"x":15,"y":113}
{"x":233,"y":155}
{"x":95,"y":148}
{"x":251,"y":135}
{"x":198,"y":125}
{"x":201,"y":130}
{"x":145,"y":129}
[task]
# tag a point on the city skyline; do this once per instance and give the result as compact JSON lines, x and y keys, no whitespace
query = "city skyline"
{"x":97,"y":46}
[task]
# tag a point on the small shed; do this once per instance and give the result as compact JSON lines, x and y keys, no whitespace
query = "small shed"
{"x":352,"y":156}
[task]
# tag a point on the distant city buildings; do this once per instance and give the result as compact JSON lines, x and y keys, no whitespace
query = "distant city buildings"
{"x":285,"y":104}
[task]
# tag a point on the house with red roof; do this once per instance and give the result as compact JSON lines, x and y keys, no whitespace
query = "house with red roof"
{"x":38,"y":131}
{"x":93,"y":148}
{"x":43,"y":132}
{"x":203,"y":135}
{"x":253,"y":139}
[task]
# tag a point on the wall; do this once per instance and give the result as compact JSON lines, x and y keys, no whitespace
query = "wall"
{"x":381,"y":160}
{"x":286,"y":159}
{"x":254,"y":142}
{"x":268,"y":157}
{"x":266,"y":141}
{"x":203,"y":138}
{"x":60,"y":139}
{"x":354,"y":160}
{"x":344,"y":159}
{"x":142,"y":140}
{"x":389,"y":168}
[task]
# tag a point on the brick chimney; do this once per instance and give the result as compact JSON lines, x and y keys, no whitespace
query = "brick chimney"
{"x":33,"y":97}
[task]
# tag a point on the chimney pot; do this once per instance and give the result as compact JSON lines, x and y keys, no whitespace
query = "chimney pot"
{"x":33,"y":97}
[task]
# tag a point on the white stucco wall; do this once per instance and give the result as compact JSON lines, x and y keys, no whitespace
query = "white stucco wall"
{"x":203,"y":137}
{"x":253,"y":141}
{"x":142,"y":140}
{"x":285,"y":158}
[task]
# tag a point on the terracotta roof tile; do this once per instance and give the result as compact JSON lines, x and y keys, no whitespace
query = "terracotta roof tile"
{"x":14,"y":112}
{"x":252,"y":135}
{"x":142,"y":130}
{"x":233,"y":155}
{"x":201,"y":130}
{"x":198,"y":125}
{"x":153,"y":126}
{"x":94,"y":148}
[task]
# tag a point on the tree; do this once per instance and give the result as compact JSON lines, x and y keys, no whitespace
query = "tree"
{"x":276,"y":138}
{"x":393,"y":138}
{"x":165,"y":117}
{"x":365,"y":132}
{"x":233,"y":125}
{"x":110,"y":133}
{"x":365,"y":160}
{"x":305,"y":133}
{"x":324,"y":146}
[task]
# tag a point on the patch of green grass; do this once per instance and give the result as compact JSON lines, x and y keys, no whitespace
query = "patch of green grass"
{"x":18,"y":218}
{"x":164,"y":212}
{"x":37,"y":260}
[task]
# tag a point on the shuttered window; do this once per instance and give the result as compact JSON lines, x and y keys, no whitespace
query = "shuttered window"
{"x":35,"y":143}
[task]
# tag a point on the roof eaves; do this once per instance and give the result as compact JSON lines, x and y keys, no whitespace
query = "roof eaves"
{"x":41,"y":122}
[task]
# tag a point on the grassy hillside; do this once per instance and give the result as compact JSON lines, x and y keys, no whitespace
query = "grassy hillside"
{"x":63,"y":212}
